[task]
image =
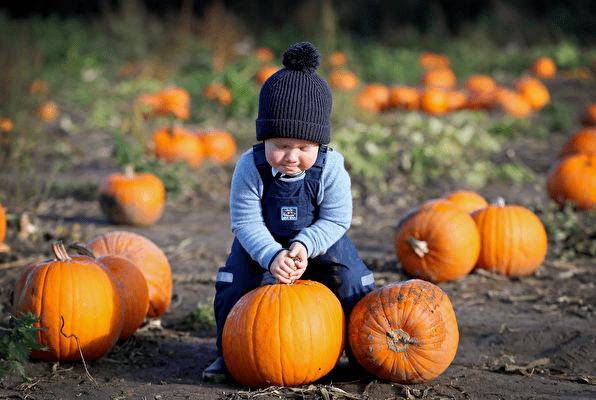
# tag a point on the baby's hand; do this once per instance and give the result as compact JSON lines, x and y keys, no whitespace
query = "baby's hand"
{"x":283,"y":267}
{"x":299,"y":255}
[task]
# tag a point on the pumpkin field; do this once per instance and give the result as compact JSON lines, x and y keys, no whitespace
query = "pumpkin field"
{"x":474,"y":191}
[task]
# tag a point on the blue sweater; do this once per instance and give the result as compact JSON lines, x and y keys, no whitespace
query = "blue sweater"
{"x":335,"y":212}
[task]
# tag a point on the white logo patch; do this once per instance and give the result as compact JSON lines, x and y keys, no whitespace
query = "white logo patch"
{"x":289,"y":213}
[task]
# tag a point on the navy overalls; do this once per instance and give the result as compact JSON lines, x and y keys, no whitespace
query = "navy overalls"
{"x":288,"y":207}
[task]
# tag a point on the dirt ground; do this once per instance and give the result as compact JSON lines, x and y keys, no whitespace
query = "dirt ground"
{"x":526,"y":338}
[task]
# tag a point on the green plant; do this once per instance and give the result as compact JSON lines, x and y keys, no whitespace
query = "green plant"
{"x":17,"y":342}
{"x":203,"y":314}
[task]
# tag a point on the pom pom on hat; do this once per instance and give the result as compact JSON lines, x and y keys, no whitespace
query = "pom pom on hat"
{"x":296,"y":102}
{"x":302,"y":56}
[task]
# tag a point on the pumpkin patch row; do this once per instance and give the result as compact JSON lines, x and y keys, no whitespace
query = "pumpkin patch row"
{"x":88,"y":302}
{"x":289,"y":335}
{"x":442,"y":241}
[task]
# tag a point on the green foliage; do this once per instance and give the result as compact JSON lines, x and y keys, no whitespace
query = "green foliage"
{"x":571,"y":233}
{"x":203,"y":315}
{"x":17,"y":343}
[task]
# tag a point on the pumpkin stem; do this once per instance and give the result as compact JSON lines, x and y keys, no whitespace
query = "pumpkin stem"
{"x":82,"y":249}
{"x":399,"y":340}
{"x":129,"y":171}
{"x":420,"y":247}
{"x":499,"y":202}
{"x":60,"y":251}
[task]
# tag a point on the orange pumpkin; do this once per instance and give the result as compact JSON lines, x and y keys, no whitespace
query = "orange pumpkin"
{"x":513,"y":239}
{"x":263,"y":54}
{"x":373,"y":97}
{"x":171,"y":101}
{"x":481,"y":91}
{"x":150,"y":260}
{"x":175,"y":143}
{"x":219,"y":92}
{"x":439,"y":77}
{"x":533,"y":91}
{"x":285,"y":335}
{"x":39,"y":86}
{"x":342,"y":79}
{"x":48,"y":111}
{"x":573,"y":179}
{"x":219,"y":145}
{"x":135,"y":292}
{"x":427,"y":248}
{"x":588,"y":116}
{"x":582,"y":140}
{"x":337,"y":59}
{"x":430,"y":60}
{"x":2,"y":224}
{"x":404,"y":332}
{"x":513,"y":103}
{"x":73,"y":296}
{"x":434,"y":101}
{"x":404,"y":98}
{"x":456,"y":100}
{"x":544,"y":68}
{"x":265,"y":72}
{"x":468,"y":200}
{"x":132,"y":198}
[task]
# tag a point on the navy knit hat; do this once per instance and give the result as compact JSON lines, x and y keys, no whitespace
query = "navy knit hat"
{"x":295,"y":102}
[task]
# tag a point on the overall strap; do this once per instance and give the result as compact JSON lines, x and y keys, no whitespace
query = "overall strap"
{"x":258,"y":152}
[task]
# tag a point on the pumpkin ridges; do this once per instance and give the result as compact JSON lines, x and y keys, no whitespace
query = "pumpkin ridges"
{"x":427,"y":309}
{"x":255,"y":345}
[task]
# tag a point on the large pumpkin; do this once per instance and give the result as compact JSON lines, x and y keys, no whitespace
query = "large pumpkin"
{"x":77,"y":300}
{"x":427,"y":247}
{"x":284,"y":335}
{"x":573,"y":180}
{"x":150,"y":260}
{"x":533,"y":90}
{"x":219,"y":145}
{"x":132,"y":198}
{"x":404,"y":332}
{"x":513,"y":239}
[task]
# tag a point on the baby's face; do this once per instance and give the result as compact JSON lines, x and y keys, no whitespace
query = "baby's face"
{"x":291,"y":156}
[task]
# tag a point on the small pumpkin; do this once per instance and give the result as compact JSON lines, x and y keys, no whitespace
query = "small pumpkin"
{"x":582,"y":140}
{"x":337,"y":59}
{"x":588,"y":115}
{"x":39,"y":86}
{"x":456,"y":100}
{"x":513,"y":103}
{"x":533,"y":90}
{"x":263,"y":54}
{"x":513,"y":239}
{"x":132,"y":198}
{"x":174,"y":143}
{"x":219,"y":145}
{"x":431,"y":60}
{"x":404,"y":98}
{"x":469,"y":200}
{"x":342,"y":79}
{"x":544,"y":68}
{"x":150,"y":260}
{"x":73,"y":296}
{"x":439,"y":77}
{"x":285,"y":335}
{"x":219,"y":92}
{"x":171,"y":101}
{"x":427,"y":248}
{"x":573,"y":180}
{"x":404,"y":332}
{"x":434,"y":101}
{"x":373,"y":97}
{"x":265,"y":72}
{"x":48,"y":111}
